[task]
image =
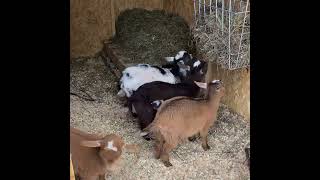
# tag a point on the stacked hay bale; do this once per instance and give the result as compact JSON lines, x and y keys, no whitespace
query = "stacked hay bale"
{"x":148,"y":36}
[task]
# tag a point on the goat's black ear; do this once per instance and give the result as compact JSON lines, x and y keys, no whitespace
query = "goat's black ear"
{"x":168,"y":65}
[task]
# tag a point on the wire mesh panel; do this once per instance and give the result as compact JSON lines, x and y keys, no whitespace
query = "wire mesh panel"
{"x":222,"y":28}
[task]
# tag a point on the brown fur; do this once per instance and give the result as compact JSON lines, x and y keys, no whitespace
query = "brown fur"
{"x":182,"y":117}
{"x":93,"y":162}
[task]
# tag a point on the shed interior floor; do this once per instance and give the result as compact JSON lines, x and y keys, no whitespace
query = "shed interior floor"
{"x":91,"y":78}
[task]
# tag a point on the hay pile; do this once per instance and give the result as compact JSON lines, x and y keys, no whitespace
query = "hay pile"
{"x":148,"y":36}
{"x":212,"y":38}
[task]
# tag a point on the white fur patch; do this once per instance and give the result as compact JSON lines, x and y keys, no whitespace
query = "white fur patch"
{"x":180,"y":54}
{"x":196,"y":64}
{"x":111,"y":147}
{"x":133,"y":109}
{"x":214,"y":81}
{"x":121,"y":93}
{"x":157,"y":102}
{"x":142,"y":75}
{"x":169,"y":59}
{"x":183,"y":71}
{"x":143,"y":133}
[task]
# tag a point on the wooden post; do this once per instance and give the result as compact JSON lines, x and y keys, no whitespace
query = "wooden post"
{"x":72,"y":176}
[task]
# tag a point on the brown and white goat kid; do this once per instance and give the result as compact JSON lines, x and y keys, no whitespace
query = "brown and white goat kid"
{"x":182,"y":117}
{"x":94,"y":155}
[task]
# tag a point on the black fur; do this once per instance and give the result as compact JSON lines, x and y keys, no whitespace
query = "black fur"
{"x":128,"y":75}
{"x":144,"y":65}
{"x":203,"y":66}
{"x":145,"y":112}
{"x":144,"y":96}
{"x":162,"y":71}
{"x":174,"y":69}
{"x":186,"y":58}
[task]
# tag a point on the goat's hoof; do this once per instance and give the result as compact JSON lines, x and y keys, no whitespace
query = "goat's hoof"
{"x":167,"y":163}
{"x":193,"y":138}
{"x":206,"y":148}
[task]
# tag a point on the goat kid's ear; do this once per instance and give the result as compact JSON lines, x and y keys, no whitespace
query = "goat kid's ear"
{"x":91,"y":143}
{"x":201,"y":85}
{"x":169,"y":59}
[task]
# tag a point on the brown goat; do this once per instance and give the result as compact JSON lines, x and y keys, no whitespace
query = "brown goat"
{"x":93,"y":155}
{"x":182,"y":117}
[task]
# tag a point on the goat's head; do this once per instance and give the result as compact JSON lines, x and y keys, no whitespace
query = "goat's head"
{"x":181,"y":56}
{"x":187,"y":67}
{"x":110,"y":147}
{"x":214,"y":87}
{"x":198,"y":71}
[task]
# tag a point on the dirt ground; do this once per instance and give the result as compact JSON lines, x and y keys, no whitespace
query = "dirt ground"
{"x":103,"y":112}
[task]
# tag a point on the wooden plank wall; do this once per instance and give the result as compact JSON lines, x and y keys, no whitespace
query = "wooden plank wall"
{"x":93,"y":21}
{"x":237,"y":83}
{"x":90,"y":23}
{"x":184,"y":8}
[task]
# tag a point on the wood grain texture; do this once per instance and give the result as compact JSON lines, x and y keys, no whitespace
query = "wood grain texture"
{"x":237,"y":83}
{"x":90,"y":24}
